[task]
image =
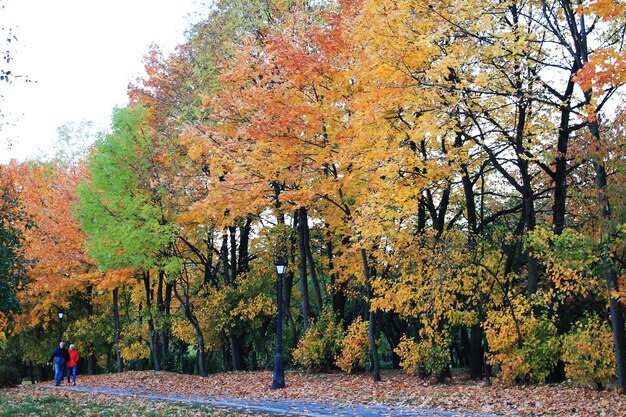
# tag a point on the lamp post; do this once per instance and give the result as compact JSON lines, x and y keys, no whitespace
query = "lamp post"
{"x":278,"y":380}
{"x":61,"y":314}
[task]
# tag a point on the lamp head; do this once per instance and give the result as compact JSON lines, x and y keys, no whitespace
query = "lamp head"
{"x":281,"y":266}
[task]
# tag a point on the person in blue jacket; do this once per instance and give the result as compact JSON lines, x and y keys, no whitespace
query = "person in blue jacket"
{"x":59,"y":357}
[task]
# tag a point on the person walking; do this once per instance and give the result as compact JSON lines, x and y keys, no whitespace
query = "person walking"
{"x":71,"y":365}
{"x":59,"y":357}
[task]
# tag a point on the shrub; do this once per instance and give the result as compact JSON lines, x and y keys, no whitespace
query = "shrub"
{"x":430,"y":357}
{"x":9,"y":377}
{"x":529,"y":359}
{"x":320,"y":344}
{"x":354,"y":347}
{"x":588,"y":353}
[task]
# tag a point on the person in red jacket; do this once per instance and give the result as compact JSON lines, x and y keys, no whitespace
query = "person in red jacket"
{"x":71,"y":365}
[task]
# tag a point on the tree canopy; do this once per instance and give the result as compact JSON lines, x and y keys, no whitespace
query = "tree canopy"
{"x":445,"y":180}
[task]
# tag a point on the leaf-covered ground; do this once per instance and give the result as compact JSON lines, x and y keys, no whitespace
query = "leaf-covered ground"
{"x":29,"y":401}
{"x":396,"y":389}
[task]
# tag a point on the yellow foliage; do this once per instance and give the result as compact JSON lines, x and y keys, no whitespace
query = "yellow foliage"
{"x":195,"y":151}
{"x":430,"y":355}
{"x":253,"y":308}
{"x":136,"y":350}
{"x":321,"y":342}
{"x":525,"y":346}
{"x":354,"y":347}
{"x":588,"y":352}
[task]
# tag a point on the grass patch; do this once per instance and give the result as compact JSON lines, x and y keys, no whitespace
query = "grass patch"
{"x":28,"y":402}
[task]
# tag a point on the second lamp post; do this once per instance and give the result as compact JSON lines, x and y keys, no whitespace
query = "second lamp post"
{"x":278,"y":380}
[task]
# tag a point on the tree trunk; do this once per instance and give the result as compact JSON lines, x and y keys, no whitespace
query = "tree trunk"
{"x":153,"y":336}
{"x":465,"y":346}
{"x":43,"y":373}
{"x":560,"y":162}
{"x":162,"y":335}
{"x":224,"y":258}
{"x":304,"y":287}
{"x":371,"y":330}
{"x":193,"y":320}
{"x":232,"y":232}
{"x":117,"y":330}
{"x":244,"y":243}
{"x":92,"y":363}
{"x":475,"y":357}
{"x":309,"y":254}
{"x":287,"y":287}
{"x":476,"y":352}
{"x":238,"y":362}
{"x":531,"y":222}
{"x":32,"y":372}
{"x":167,"y":302}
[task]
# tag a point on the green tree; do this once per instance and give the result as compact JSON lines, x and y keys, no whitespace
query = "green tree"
{"x":122,"y":209}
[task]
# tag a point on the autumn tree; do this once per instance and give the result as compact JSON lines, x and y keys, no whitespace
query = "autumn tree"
{"x":599,"y":80}
{"x":13,"y":261}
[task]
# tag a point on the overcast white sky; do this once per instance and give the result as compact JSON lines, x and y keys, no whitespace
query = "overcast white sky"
{"x":81,"y":55}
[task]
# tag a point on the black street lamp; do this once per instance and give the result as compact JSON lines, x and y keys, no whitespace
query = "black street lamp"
{"x":61,"y":314}
{"x":278,"y":380}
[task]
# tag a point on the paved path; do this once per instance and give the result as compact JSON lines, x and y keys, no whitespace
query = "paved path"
{"x":281,"y":408}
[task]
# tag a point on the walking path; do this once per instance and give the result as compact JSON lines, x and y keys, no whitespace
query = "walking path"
{"x":280,"y":408}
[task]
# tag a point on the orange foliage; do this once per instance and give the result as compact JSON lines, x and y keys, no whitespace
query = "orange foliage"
{"x":57,"y":241}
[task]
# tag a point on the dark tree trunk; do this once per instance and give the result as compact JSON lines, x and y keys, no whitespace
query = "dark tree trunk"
{"x":193,"y":320}
{"x":476,"y":356}
{"x":117,"y":330}
{"x":238,"y":264}
{"x":153,"y":336}
{"x":244,"y":243}
{"x":236,"y":360}
{"x":224,"y":256}
{"x":465,"y":346}
{"x":232,"y":231}
{"x":159,"y":293}
{"x":32,"y":372}
{"x":309,"y":254}
{"x":43,"y":373}
{"x":371,"y":332}
{"x":226,"y":357}
{"x":531,"y":221}
{"x":166,"y":311}
{"x":162,"y":335}
{"x":302,"y":269}
{"x":421,"y":215}
{"x":560,"y":163}
{"x":287,"y":287}
{"x":237,"y":352}
{"x":92,"y":363}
